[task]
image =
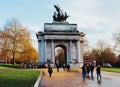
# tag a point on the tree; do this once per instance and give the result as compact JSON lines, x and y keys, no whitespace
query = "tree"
{"x":103,"y":53}
{"x":116,"y":48}
{"x":110,"y":56}
{"x":87,"y":52}
{"x":118,"y":61}
{"x":116,"y":38}
{"x":14,"y":34}
{"x":88,"y":56}
{"x":28,"y":54}
{"x":4,"y":46}
{"x":16,"y":41}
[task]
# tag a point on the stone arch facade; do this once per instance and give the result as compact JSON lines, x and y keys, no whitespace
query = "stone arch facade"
{"x":63,"y":35}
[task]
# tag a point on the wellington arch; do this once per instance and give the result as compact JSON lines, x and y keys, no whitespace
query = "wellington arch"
{"x":62,"y":34}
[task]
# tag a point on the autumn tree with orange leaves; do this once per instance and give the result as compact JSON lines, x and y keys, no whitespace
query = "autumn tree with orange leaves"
{"x":16,"y":43}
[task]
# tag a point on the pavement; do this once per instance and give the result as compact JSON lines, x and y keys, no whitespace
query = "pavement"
{"x":73,"y":78}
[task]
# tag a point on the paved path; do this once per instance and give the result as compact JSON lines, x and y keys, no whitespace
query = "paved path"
{"x":74,"y":79}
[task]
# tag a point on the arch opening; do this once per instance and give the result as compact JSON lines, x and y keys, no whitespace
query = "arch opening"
{"x":60,"y":55}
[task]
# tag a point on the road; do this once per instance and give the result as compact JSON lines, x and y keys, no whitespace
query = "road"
{"x":74,"y":79}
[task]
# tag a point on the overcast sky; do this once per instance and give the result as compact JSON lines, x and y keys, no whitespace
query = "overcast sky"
{"x":97,"y":18}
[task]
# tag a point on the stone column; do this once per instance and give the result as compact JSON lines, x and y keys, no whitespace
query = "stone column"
{"x":70,"y":51}
{"x":41,"y":51}
{"x":81,"y":53}
{"x":45,"y":52}
{"x":53,"y":55}
{"x":67,"y":49}
{"x":74,"y":50}
{"x":78,"y":50}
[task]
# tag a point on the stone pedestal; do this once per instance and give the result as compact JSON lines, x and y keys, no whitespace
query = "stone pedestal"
{"x":60,"y":27}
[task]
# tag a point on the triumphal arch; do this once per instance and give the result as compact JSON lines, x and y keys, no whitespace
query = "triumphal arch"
{"x":62,"y":34}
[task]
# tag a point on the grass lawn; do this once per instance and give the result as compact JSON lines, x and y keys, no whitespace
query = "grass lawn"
{"x":17,"y":77}
{"x":111,"y":69}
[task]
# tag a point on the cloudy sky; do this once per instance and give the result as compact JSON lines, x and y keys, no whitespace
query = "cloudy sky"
{"x":99,"y":19}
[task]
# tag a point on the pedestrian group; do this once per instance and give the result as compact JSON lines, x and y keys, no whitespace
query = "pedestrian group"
{"x":89,"y":68}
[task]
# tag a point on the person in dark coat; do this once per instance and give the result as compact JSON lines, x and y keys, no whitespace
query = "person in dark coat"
{"x":98,"y":71}
{"x":57,"y":66}
{"x":68,"y":67}
{"x":92,"y":69}
{"x":84,"y":70}
{"x":50,"y":71}
{"x":88,"y":69}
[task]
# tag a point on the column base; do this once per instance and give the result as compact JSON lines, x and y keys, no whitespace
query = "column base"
{"x":74,"y":65}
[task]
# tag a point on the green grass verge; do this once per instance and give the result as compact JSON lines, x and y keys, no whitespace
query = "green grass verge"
{"x":17,"y":77}
{"x":111,"y":69}
{"x":6,"y":66}
{"x":2,"y":67}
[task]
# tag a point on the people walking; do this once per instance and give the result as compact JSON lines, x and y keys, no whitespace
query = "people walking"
{"x":64,"y":67}
{"x":50,"y":71}
{"x":98,"y":71}
{"x":88,"y":69}
{"x":92,"y":69}
{"x":68,"y":67}
{"x":84,"y":71}
{"x":57,"y":66}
